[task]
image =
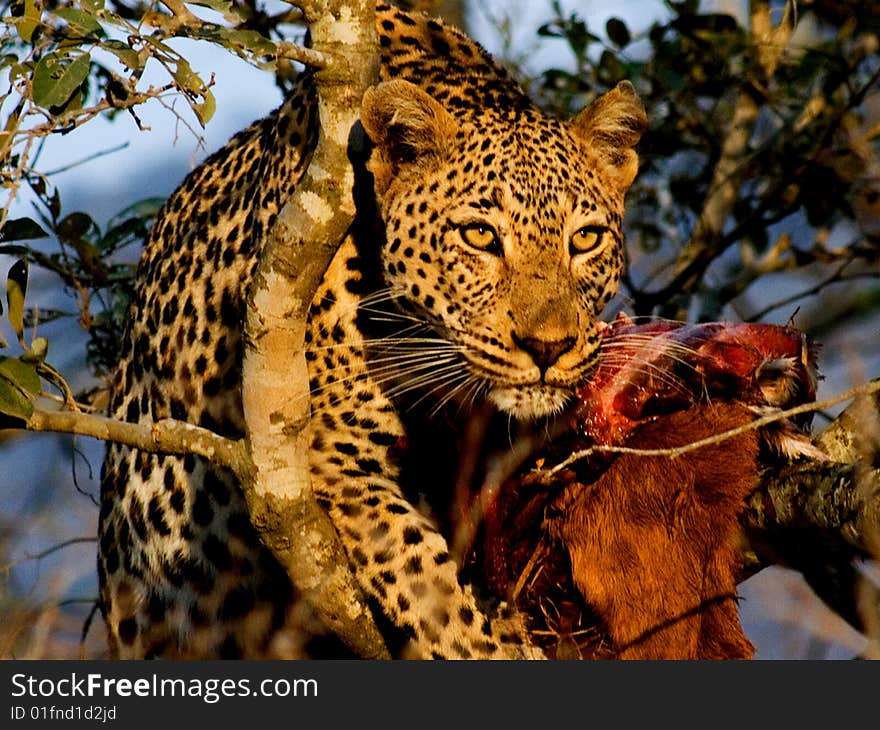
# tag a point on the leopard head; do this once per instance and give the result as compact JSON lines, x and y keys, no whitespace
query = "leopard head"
{"x":503,"y":232}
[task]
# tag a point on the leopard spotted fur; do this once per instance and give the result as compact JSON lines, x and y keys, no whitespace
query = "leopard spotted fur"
{"x":487,"y":242}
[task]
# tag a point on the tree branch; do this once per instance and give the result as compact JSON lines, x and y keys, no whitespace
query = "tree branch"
{"x":706,"y":241}
{"x":863,"y":390}
{"x":167,"y":436}
{"x":822,"y":518}
{"x":309,"y":229}
{"x":182,"y":14}
{"x":307,"y":56}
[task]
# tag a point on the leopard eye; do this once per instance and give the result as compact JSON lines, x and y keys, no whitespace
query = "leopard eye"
{"x":481,"y":236}
{"x":586,"y":239}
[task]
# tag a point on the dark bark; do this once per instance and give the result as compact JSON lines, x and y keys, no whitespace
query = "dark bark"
{"x":823,"y":518}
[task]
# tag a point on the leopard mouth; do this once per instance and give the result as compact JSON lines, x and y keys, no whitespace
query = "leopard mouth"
{"x":527,"y":396}
{"x":530,"y":402}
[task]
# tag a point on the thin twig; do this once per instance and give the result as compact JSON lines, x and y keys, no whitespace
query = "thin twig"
{"x":47,"y":552}
{"x":834,"y":278}
{"x":672,"y":453}
{"x":88,"y":158}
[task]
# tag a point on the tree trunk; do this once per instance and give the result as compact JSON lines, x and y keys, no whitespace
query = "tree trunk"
{"x":309,"y":229}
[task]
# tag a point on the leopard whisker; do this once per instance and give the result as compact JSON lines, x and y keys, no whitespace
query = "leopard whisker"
{"x":369,"y":304}
{"x":396,"y":365}
{"x":387,"y":315}
{"x":439,"y":386}
{"x":425,"y":379}
{"x":471,"y":390}
{"x":467,"y":379}
{"x":395,"y":353}
{"x":656,"y":344}
{"x":416,"y":369}
{"x":393,"y":375}
{"x":680,"y":354}
{"x":394,"y":345}
{"x":423,"y":344}
{"x":393,"y":369}
{"x":402,"y":334}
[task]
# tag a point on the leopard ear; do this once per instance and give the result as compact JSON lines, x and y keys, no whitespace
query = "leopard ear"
{"x":405,"y":124}
{"x":611,"y":126}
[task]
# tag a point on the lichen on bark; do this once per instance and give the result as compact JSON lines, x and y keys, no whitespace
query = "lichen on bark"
{"x":310,"y":227}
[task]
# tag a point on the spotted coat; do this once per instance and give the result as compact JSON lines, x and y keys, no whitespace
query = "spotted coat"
{"x":486,"y":244}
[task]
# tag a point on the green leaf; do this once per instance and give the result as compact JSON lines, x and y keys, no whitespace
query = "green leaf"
{"x":21,"y":229}
{"x":82,"y":23}
{"x":57,"y":78}
{"x":21,"y":374}
{"x":93,"y":6}
{"x":75,"y":226}
{"x":20,"y":71}
{"x":13,"y":402}
{"x":37,"y":352}
{"x":224,"y":7}
{"x":54,"y":203}
{"x":191,"y":83}
{"x":617,"y":32}
{"x":186,"y":78}
{"x":16,"y":288}
{"x":8,"y":59}
{"x":250,"y":40}
{"x":609,"y":69}
{"x":7,"y":136}
{"x":145,"y":209}
{"x":12,"y":249}
{"x":28,"y":21}
{"x":206,"y":109}
{"x":130,"y":224}
{"x":74,"y":103}
{"x":125,"y":53}
{"x":131,"y":229}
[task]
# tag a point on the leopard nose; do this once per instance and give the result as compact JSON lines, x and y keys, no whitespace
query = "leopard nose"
{"x":544,"y":352}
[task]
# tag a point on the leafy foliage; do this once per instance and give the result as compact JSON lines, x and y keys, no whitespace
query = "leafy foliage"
{"x":19,"y":376}
{"x":66,"y":62}
{"x":84,"y":264}
{"x":808,"y":171}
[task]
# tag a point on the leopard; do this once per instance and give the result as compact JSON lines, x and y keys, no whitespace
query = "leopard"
{"x":486,"y":244}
